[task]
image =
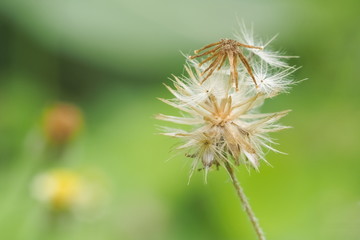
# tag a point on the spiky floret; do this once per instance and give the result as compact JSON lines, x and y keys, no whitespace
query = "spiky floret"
{"x":226,"y":125}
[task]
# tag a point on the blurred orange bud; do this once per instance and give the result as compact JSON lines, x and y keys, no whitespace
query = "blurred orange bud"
{"x":62,"y":122}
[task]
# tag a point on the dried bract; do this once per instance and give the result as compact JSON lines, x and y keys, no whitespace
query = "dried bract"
{"x":219,"y":52}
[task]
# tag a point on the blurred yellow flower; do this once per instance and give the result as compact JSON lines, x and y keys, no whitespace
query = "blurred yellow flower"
{"x":64,"y":190}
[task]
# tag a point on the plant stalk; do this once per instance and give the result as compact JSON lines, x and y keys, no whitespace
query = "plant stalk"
{"x":240,"y":192}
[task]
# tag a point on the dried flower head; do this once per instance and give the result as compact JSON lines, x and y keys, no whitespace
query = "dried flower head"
{"x":245,"y":48}
{"x":227,"y":127}
{"x":225,"y":49}
{"x":223,"y":111}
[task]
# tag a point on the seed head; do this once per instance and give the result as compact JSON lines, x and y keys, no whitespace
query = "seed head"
{"x":223,"y":107}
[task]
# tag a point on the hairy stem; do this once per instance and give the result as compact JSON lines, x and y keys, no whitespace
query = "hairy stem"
{"x":240,"y":192}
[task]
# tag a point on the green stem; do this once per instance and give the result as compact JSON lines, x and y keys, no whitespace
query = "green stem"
{"x":240,"y":192}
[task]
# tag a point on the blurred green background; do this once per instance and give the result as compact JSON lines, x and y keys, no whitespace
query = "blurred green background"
{"x":110,"y":57}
